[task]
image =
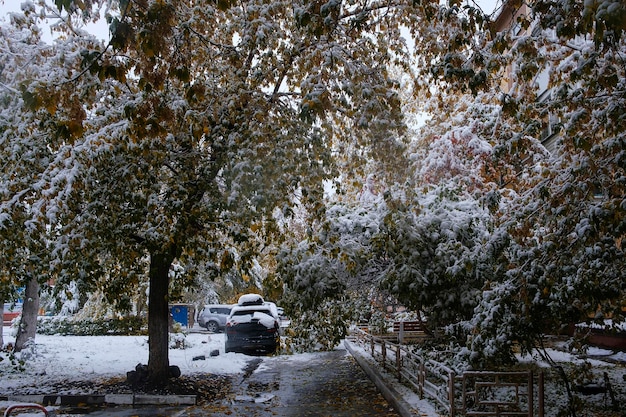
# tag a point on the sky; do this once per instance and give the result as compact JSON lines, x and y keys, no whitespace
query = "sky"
{"x":100,"y":28}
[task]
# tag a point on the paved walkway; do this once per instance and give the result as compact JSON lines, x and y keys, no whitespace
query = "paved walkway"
{"x":329,"y":384}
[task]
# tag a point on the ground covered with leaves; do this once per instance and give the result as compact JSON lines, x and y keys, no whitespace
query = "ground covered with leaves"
{"x":207,"y":387}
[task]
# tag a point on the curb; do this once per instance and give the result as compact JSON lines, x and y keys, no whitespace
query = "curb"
{"x":106,"y":399}
{"x":391,"y":395}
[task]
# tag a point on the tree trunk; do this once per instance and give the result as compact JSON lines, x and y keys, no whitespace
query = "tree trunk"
{"x":158,"y":319}
{"x":28,"y":321}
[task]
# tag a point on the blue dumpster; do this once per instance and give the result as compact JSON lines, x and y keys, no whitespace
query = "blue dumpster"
{"x":180,"y":314}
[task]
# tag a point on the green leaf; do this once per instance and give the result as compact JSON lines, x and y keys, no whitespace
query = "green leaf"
{"x":63,"y":4}
{"x":124,"y":4}
{"x":121,"y":34}
{"x":31,"y":100}
{"x":224,"y":5}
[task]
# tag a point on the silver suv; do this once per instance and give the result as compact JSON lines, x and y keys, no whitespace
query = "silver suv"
{"x":213,"y":316}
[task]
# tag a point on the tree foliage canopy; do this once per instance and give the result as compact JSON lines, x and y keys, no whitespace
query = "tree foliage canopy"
{"x":510,"y":222}
{"x":186,"y":133}
{"x":183,"y":134}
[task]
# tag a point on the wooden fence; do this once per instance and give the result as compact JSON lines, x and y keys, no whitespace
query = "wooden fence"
{"x":409,"y":331}
{"x":469,"y":393}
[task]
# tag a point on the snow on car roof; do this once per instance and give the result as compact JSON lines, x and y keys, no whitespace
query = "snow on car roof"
{"x":248,"y":299}
{"x":249,"y":309}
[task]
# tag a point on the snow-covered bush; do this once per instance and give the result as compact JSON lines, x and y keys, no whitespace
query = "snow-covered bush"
{"x":178,"y":340}
{"x":438,"y":264}
{"x":320,"y":329}
{"x":69,"y":326}
{"x":378,"y":323}
{"x":17,"y":363}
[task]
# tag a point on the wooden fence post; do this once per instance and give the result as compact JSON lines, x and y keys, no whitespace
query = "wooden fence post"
{"x":399,"y":364}
{"x":383,"y":347}
{"x":531,"y":389}
{"x":451,"y":378}
{"x":401,"y":333}
{"x":540,"y":393}
{"x":422,"y":378}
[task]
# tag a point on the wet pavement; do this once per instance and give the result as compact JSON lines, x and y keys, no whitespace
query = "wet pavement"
{"x":327,"y":384}
{"x":147,"y":411}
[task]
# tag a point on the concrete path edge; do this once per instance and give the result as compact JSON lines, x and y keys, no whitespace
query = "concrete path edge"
{"x":391,"y":394}
{"x":97,"y":399}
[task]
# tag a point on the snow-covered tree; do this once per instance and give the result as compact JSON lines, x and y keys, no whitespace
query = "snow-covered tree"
{"x":566,"y":221}
{"x":178,"y":139}
{"x":28,"y":144}
{"x":436,"y":234}
{"x":331,"y":268}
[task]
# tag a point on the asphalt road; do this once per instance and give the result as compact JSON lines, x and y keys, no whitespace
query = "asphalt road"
{"x":328,"y":384}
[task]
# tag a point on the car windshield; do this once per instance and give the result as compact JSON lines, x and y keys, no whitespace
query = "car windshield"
{"x":251,"y":311}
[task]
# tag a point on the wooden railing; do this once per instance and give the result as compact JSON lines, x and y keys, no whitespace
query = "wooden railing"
{"x":475,"y":393}
{"x":409,"y":330}
{"x":485,"y":393}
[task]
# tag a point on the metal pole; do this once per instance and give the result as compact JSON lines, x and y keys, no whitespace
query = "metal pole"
{"x":7,"y":412}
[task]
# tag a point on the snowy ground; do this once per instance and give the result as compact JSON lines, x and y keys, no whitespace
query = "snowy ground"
{"x":584,"y":369}
{"x":62,"y":358}
{"x":59,"y":359}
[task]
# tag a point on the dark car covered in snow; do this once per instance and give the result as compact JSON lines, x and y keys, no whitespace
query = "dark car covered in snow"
{"x":253,"y":327}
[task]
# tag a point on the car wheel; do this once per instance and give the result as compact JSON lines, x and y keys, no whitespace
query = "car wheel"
{"x":212,"y":327}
